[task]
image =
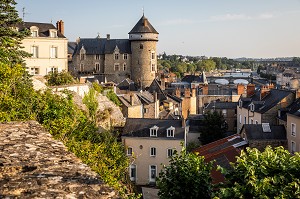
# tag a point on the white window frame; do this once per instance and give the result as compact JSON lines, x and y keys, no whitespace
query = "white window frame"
{"x":129,"y":151}
{"x":131,"y":167}
{"x":53,"y":52}
{"x":224,"y":112}
{"x":125,"y":56}
{"x":153,"y":131}
{"x":116,"y":66}
{"x":170,"y":152}
{"x":245,"y":119}
{"x":153,"y":151}
{"x":97,"y":66}
{"x":34,"y":33}
{"x":170,"y":131}
{"x":252,"y":107}
{"x":240,"y":103}
{"x":152,"y":55}
{"x":240,"y":118}
{"x":293,"y":147}
{"x":293,"y":129}
{"x":116,"y":56}
{"x":152,"y":168}
{"x":97,"y":57}
{"x":35,"y":51}
{"x":53,"y":33}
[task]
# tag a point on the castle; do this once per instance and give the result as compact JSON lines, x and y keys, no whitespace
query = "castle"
{"x":118,"y":59}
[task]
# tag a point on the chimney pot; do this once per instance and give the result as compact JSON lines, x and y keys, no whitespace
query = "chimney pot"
{"x":108,"y":36}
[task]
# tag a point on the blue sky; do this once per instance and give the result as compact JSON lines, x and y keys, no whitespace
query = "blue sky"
{"x":225,"y":28}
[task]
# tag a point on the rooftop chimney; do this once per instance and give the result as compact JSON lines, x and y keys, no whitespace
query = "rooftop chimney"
{"x":240,"y":89}
{"x":187,"y":92}
{"x":250,"y":90}
{"x":264,"y":91}
{"x":271,"y":86}
{"x":108,"y":36}
{"x":60,"y":26}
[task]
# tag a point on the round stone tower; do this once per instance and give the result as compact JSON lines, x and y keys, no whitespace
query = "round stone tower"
{"x":143,"y":38}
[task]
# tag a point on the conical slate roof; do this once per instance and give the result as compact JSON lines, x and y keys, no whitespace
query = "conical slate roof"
{"x":143,"y":26}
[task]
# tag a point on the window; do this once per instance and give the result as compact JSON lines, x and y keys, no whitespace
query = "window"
{"x":82,"y":56}
{"x":34,"y":33}
{"x":251,"y":121}
{"x":34,"y":71}
{"x":97,"y":67}
{"x":153,"y":131}
{"x":54,"y":70}
{"x":252,"y":107}
{"x":170,"y":131}
{"x":152,"y":151}
{"x":117,"y":67}
{"x":152,"y":173}
{"x":116,"y":56}
{"x":224,"y":112}
{"x":97,"y":57}
{"x":129,"y":151}
{"x":293,"y":147}
{"x":170,"y":152}
{"x":53,"y":34}
{"x":35,"y":51}
{"x":125,"y":56}
{"x":240,"y":103}
{"x":124,"y":66}
{"x":146,"y":110}
{"x":141,"y":46}
{"x":240,"y":117}
{"x":293,"y":129}
{"x":81,"y":67}
{"x":53,"y":52}
{"x":153,"y":67}
{"x":152,"y":55}
{"x":132,"y":172}
{"x":245,"y":120}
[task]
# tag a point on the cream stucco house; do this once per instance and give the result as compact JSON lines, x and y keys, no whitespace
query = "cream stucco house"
{"x":150,"y":143}
{"x":48,"y":46}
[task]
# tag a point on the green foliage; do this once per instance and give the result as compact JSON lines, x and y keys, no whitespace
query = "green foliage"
{"x":90,"y":100}
{"x":206,"y":65}
{"x":97,"y":87}
{"x":113,"y":97}
{"x":17,"y":96}
{"x":268,"y":174}
{"x":214,"y":127}
{"x":57,"y":79}
{"x":187,"y":176}
{"x":10,"y":37}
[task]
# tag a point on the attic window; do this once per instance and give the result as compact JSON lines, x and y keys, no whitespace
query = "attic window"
{"x":252,"y":107}
{"x":240,"y":103}
{"x":170,"y":131}
{"x":266,"y":127}
{"x":34,"y":31}
{"x":53,"y":33}
{"x":153,"y":131}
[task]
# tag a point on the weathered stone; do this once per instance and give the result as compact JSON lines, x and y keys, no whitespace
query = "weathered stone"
{"x":34,"y":165}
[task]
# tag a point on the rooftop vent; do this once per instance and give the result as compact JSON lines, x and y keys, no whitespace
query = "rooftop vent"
{"x":266,"y":127}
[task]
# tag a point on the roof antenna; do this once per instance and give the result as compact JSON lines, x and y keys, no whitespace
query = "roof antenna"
{"x":24,"y":13}
{"x":143,"y":10}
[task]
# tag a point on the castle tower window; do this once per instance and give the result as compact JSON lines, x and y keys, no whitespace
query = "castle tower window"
{"x":153,"y":68}
{"x":152,"y":55}
{"x":141,"y":46}
{"x":116,"y":56}
{"x":117,"y":67}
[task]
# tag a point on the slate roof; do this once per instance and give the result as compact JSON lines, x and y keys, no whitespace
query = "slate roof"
{"x":146,"y":97}
{"x":43,"y":28}
{"x":125,"y":99}
{"x":155,"y":87}
{"x":293,"y":109}
{"x":255,"y":132}
{"x":142,"y":27}
{"x":103,"y":46}
{"x":140,"y":127}
{"x":223,"y":151}
{"x":127,"y":84}
{"x":268,"y":102}
{"x":71,"y":47}
{"x":222,"y":105}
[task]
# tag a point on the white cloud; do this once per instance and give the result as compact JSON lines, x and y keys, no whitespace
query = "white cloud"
{"x":230,"y":17}
{"x":177,"y":22}
{"x":266,"y":16}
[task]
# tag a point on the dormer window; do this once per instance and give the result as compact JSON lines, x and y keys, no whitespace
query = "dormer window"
{"x":170,"y":131}
{"x":240,"y":103}
{"x":34,"y":31}
{"x":82,"y":53}
{"x":153,"y":131}
{"x":53,"y":33}
{"x":252,"y":107}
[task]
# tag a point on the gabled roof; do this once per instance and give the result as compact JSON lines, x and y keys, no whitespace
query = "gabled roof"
{"x":268,"y":102}
{"x":140,"y":127}
{"x":145,"y":97}
{"x":43,"y":28}
{"x":223,"y":151}
{"x":127,"y":84}
{"x":255,"y":132}
{"x":155,"y":87}
{"x":143,"y":26}
{"x":125,"y":99}
{"x":293,"y":109}
{"x":103,"y":46}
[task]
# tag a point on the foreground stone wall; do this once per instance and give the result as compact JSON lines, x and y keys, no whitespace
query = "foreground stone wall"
{"x":34,"y":165}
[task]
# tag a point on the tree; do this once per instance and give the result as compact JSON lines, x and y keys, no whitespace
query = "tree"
{"x":187,"y":176}
{"x":268,"y":174}
{"x":10,"y":37}
{"x":90,"y":100}
{"x":206,"y":65}
{"x":214,"y":127}
{"x":56,"y":79}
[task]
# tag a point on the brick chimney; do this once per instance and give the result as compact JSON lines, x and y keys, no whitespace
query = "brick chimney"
{"x":240,"y":89}
{"x":271,"y":86}
{"x":60,"y":26}
{"x":250,"y":90}
{"x":264,"y":91}
{"x":187,"y":92}
{"x":205,"y":89}
{"x":177,"y":92}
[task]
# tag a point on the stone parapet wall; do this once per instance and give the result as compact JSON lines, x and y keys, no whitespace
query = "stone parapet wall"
{"x":34,"y":165}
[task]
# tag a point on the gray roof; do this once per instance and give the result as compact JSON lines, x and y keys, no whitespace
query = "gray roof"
{"x":43,"y":28}
{"x":255,"y":132}
{"x":71,"y":47}
{"x":143,"y":26}
{"x":103,"y":46}
{"x":125,"y":99}
{"x":268,"y":102}
{"x":293,"y":109}
{"x":140,"y":127}
{"x":222,"y":105}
